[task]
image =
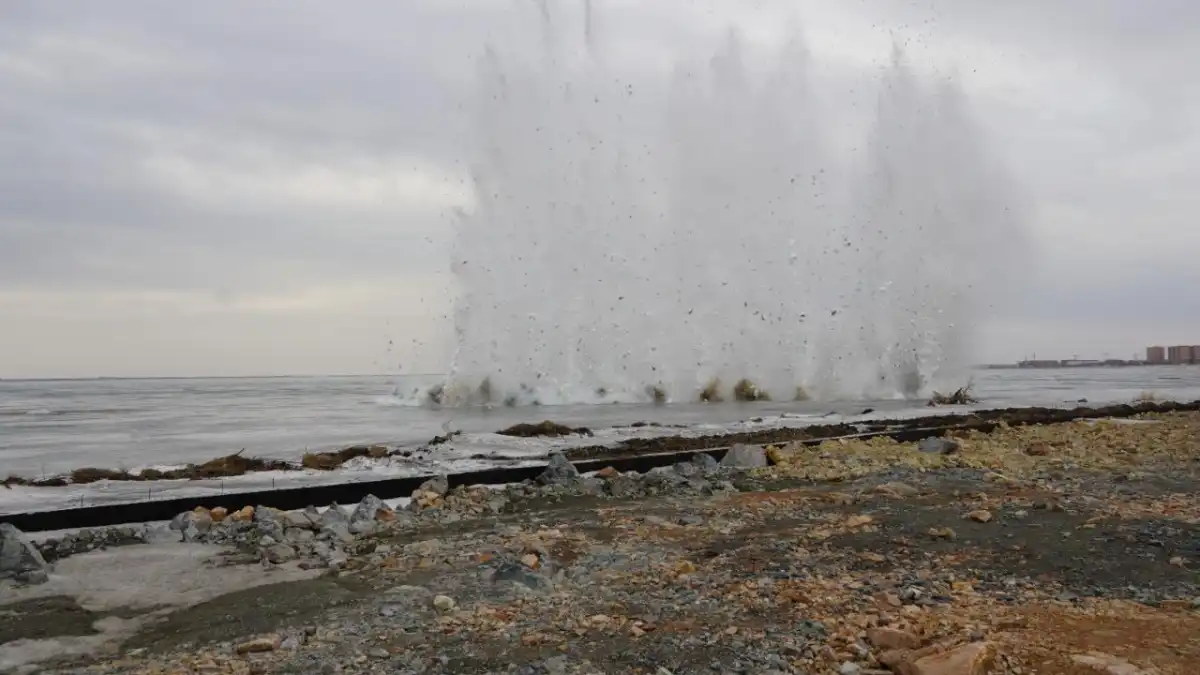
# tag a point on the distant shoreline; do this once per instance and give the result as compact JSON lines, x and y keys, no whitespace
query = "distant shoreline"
{"x":104,"y":378}
{"x":1074,"y":363}
{"x":1032,"y":364}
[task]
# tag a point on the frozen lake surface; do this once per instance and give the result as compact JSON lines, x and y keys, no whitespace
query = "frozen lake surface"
{"x":52,"y":427}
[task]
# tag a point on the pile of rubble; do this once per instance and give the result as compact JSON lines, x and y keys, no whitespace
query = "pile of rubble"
{"x":326,"y":538}
{"x":28,"y":562}
{"x":91,"y":539}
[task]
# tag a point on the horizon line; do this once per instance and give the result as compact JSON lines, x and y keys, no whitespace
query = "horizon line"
{"x":88,"y":378}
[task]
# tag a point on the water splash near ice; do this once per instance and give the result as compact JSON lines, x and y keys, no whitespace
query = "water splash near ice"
{"x":632,"y":247}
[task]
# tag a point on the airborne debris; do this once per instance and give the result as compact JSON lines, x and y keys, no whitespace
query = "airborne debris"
{"x":745,"y":390}
{"x":711,"y":393}
{"x":485,"y":390}
{"x":439,"y":440}
{"x":961,"y":396}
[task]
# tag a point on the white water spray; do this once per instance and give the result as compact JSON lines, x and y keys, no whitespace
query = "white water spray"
{"x":606,"y":262}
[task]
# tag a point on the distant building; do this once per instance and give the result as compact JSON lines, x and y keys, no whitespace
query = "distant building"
{"x":1179,"y":354}
{"x":1039,"y":363}
{"x":1195,"y":353}
{"x":1156,"y":355}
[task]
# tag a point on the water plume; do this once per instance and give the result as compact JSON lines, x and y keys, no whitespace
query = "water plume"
{"x":631,"y":248}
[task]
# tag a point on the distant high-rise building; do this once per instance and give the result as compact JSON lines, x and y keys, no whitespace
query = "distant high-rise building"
{"x":1156,"y":355}
{"x":1179,"y":354}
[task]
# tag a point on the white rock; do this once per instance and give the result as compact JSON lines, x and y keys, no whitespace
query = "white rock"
{"x":744,"y":457}
{"x":559,"y":470}
{"x":280,"y":553}
{"x":368,"y":510}
{"x":334,"y":514}
{"x":439,"y":486}
{"x":19,"y":559}
{"x":1108,"y":664}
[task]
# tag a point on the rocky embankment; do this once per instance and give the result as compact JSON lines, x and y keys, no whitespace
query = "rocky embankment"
{"x":1065,"y":550}
{"x":328,"y":538}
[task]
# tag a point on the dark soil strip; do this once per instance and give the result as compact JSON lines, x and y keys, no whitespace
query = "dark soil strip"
{"x":271,"y":608}
{"x":983,"y":420}
{"x":221,"y":467}
{"x":51,"y":617}
{"x":546,"y":428}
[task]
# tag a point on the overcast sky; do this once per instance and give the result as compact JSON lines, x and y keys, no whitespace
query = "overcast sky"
{"x":268,"y":188}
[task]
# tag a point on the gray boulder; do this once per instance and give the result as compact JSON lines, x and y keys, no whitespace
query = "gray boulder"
{"x":938,"y":446}
{"x":363,"y":527}
{"x":365,"y":516}
{"x":663,"y":478}
{"x":269,"y":523}
{"x":593,"y":487}
{"x":624,"y":486}
{"x":439,"y":486}
{"x":19,"y":558}
{"x":689,"y":469}
{"x":55,"y":549}
{"x":198,"y":520}
{"x":744,"y":457}
{"x":299,"y":519}
{"x":193,"y":525}
{"x":334,"y":514}
{"x":338,"y":532}
{"x":559,"y":471}
{"x":279,"y":553}
{"x":298,"y":535}
{"x":368,"y":510}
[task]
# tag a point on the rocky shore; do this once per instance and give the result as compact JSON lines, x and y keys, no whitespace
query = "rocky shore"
{"x":1065,"y":549}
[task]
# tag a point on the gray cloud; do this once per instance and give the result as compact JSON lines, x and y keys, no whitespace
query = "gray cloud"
{"x":234,"y":154}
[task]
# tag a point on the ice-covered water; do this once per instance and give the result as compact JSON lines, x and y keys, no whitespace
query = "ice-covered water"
{"x":632,"y":242}
{"x":50,"y":427}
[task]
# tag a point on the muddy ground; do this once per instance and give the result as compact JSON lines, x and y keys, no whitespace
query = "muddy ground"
{"x":1055,"y":560}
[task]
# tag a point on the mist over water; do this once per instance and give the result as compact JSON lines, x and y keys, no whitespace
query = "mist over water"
{"x":627,"y":245}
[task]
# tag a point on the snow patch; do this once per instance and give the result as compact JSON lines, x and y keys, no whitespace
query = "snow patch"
{"x":154,"y":578}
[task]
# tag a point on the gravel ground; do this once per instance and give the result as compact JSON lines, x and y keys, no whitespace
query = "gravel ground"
{"x":1061,"y":550}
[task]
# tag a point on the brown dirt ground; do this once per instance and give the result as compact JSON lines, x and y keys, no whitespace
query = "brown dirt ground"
{"x":1090,"y":546}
